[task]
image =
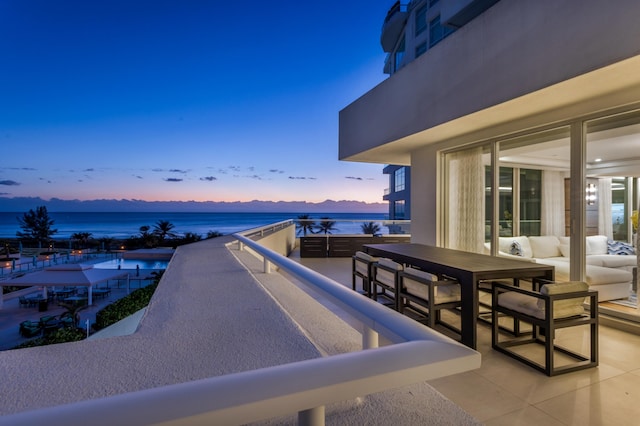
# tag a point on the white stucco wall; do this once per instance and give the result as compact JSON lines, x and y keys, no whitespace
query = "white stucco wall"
{"x":424,"y":195}
{"x":515,"y":48}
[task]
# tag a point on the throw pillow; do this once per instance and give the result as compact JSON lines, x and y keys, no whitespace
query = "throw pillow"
{"x":618,"y":247}
{"x":515,"y":249}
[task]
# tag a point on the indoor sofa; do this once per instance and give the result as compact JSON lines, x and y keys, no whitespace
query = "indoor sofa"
{"x":609,"y":274}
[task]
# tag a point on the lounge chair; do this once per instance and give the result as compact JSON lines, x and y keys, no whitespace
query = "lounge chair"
{"x":30,"y":328}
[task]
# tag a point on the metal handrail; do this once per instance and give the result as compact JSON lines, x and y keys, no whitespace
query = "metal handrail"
{"x":304,"y":387}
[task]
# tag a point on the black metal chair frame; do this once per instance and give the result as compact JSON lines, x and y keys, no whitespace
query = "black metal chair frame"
{"x":391,"y":293}
{"x":433,"y":310}
{"x":485,"y":310}
{"x":544,"y":329}
{"x":366,"y":280}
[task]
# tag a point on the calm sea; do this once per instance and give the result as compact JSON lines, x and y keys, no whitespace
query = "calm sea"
{"x":125,"y":225}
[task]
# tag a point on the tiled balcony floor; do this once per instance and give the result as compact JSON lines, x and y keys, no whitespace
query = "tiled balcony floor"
{"x":505,"y":392}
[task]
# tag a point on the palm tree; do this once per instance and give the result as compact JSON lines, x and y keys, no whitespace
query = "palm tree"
{"x":213,"y":234}
{"x":36,"y":225}
{"x":326,"y":226}
{"x":370,"y":228}
{"x":305,"y":224}
{"x":82,"y":238}
{"x":163,"y":229}
{"x":145,"y":236}
{"x":106,"y":243}
{"x":191,"y":237}
{"x":72,"y":312}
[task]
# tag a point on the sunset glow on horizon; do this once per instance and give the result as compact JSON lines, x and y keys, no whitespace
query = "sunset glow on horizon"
{"x":185,"y":101}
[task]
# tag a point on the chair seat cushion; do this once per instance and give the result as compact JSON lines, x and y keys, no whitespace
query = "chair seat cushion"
{"x":360,"y":255}
{"x":535,"y":307}
{"x":362,"y":261}
{"x":443,"y":293}
{"x":387,"y":277}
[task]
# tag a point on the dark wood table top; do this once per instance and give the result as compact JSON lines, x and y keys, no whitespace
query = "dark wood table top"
{"x":457,"y":259}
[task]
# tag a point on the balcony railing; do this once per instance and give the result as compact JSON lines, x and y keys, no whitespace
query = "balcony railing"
{"x":416,"y":354}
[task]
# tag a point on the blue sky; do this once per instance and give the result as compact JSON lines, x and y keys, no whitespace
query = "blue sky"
{"x":185,"y":100}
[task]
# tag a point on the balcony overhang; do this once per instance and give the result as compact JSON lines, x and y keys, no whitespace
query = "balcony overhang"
{"x":393,"y":27}
{"x":479,"y":83}
{"x":609,"y":87}
{"x":454,"y":16}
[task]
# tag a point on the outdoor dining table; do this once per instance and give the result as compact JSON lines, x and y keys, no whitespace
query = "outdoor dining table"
{"x":75,"y":298}
{"x":101,"y":292}
{"x":468,"y":268}
{"x":62,"y":293}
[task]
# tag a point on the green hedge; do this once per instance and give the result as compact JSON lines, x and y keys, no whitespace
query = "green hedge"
{"x":124,"y":307}
{"x":62,"y":335}
{"x":105,"y":317}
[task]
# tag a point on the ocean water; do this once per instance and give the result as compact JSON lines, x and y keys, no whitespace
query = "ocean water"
{"x":124,"y":225}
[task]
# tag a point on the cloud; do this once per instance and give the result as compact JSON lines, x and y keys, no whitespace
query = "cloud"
{"x":235,"y":168}
{"x":209,"y":178}
{"x":19,"y":168}
{"x":138,"y":176}
{"x":157,"y":170}
{"x":276,"y":171}
{"x":9,"y":183}
{"x":177,"y":171}
{"x":301,"y":178}
{"x":353,"y":177}
{"x":90,"y":170}
{"x":256,"y":177}
{"x":173,"y":180}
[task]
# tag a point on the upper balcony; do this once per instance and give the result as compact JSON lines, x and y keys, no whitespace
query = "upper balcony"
{"x":393,"y":26}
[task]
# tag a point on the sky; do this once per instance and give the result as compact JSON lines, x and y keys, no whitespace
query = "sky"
{"x":184,"y":100}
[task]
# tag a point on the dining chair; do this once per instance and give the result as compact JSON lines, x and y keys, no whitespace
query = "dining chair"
{"x":555,"y":306}
{"x":431,"y":294}
{"x":362,"y":267}
{"x":386,"y":276}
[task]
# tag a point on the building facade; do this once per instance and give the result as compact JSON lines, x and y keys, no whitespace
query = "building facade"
{"x":398,"y":195}
{"x":523,"y":120}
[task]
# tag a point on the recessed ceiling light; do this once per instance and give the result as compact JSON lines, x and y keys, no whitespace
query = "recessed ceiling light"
{"x":597,"y":160}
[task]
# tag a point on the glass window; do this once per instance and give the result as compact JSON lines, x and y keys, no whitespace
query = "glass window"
{"x":538,"y":166}
{"x":422,"y":47}
{"x":621,"y":209}
{"x":613,"y":168}
{"x":529,"y":198}
{"x":398,"y":209}
{"x":399,"y":179}
{"x":435,"y":31}
{"x":399,"y":55}
{"x":421,"y":19}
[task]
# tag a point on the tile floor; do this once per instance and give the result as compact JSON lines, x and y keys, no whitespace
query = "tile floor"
{"x":506,"y":392}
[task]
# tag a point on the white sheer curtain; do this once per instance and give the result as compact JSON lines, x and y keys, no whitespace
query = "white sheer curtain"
{"x":466,"y":201}
{"x":552,"y":204}
{"x":605,"y":217}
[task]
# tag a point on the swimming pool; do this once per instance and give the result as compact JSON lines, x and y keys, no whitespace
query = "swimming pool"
{"x":132,"y":264}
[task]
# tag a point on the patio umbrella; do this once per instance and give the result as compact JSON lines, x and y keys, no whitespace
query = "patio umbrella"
{"x":68,"y":275}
